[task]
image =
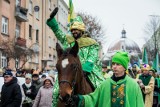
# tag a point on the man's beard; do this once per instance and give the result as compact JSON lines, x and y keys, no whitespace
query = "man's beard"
{"x":78,"y":36}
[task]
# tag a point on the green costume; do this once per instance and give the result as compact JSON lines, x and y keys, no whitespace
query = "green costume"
{"x":128,"y":94}
{"x":88,"y":53}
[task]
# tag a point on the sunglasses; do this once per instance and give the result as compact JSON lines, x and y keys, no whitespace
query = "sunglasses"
{"x":27,"y":78}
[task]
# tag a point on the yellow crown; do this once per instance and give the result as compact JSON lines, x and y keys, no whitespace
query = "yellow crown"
{"x":78,"y":25}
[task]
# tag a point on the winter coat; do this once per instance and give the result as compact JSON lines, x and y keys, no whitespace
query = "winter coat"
{"x":37,"y":84}
{"x":11,"y":95}
{"x":32,"y":88}
{"x":44,"y":96}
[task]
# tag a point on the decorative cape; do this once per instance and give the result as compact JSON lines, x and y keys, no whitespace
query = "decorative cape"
{"x":82,"y":41}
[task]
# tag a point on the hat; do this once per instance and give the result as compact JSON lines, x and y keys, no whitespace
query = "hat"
{"x":145,"y":67}
{"x":8,"y":72}
{"x":152,"y":70}
{"x":28,"y":76}
{"x":104,"y":66}
{"x":43,"y":76}
{"x":121,"y":58}
{"x":35,"y":73}
{"x":78,"y":24}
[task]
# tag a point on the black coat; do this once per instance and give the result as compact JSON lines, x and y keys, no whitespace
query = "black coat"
{"x":33,"y":92}
{"x":11,"y":95}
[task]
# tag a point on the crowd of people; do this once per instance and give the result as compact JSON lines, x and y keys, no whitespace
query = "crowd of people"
{"x":36,"y":91}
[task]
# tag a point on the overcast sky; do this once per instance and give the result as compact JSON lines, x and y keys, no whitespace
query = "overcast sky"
{"x":116,"y":14}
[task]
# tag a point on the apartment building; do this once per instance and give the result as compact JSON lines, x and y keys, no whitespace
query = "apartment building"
{"x":24,"y":23}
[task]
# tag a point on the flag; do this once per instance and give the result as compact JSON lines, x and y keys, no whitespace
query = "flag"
{"x":138,"y":62}
{"x":156,"y":63}
{"x":145,"y":57}
{"x":71,"y":14}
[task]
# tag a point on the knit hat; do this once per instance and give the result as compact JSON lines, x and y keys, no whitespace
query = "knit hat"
{"x":8,"y":72}
{"x":145,"y":67}
{"x":28,"y":76}
{"x":121,"y":58}
{"x":78,"y":24}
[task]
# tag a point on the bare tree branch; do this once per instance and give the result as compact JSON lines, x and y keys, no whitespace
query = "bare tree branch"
{"x":93,"y":26}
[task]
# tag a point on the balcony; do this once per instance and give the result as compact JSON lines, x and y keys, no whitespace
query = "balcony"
{"x":20,"y":42}
{"x":21,"y":14}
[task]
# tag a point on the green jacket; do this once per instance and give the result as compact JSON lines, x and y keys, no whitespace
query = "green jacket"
{"x":101,"y":97}
{"x":88,"y":54}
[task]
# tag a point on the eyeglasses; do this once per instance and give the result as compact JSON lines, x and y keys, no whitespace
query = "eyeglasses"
{"x":7,"y":76}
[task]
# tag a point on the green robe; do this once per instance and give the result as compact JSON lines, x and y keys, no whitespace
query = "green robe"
{"x":101,"y":97}
{"x":88,"y":52}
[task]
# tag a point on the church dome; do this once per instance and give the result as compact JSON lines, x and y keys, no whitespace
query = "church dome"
{"x":124,"y":44}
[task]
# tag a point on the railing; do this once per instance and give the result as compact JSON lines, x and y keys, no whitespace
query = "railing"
{"x":21,"y":14}
{"x":21,"y":42}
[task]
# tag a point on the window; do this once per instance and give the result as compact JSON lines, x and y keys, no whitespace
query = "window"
{"x":3,"y":60}
{"x":18,"y":2}
{"x":50,"y":56}
{"x":30,"y":32}
{"x":4,"y":25}
{"x":37,"y":14}
{"x":49,"y":4}
{"x":17,"y":31}
{"x":17,"y":63}
{"x":37,"y":34}
{"x":36,"y":58}
{"x":30,"y":6}
{"x":7,"y":1}
{"x":49,"y":42}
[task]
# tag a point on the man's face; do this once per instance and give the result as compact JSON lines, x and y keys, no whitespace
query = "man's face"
{"x":7,"y":78}
{"x":145,"y":72}
{"x":118,"y":69}
{"x":76,"y":33}
{"x":104,"y":69}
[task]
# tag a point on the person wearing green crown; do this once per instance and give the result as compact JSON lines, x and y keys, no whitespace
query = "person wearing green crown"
{"x":88,"y":50}
{"x":118,"y":91}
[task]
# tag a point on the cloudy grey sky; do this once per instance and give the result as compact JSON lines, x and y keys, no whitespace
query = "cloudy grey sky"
{"x":114,"y":14}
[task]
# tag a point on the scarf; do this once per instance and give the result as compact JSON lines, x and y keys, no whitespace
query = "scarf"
{"x":28,"y":85}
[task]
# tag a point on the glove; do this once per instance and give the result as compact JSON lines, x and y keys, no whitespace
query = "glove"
{"x":87,"y":66}
{"x":75,"y":101}
{"x":54,"y":12}
{"x":51,"y":22}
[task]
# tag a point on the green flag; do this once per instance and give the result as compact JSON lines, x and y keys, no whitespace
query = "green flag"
{"x":138,"y":62}
{"x":71,"y":14}
{"x":156,"y":63}
{"x":145,"y":57}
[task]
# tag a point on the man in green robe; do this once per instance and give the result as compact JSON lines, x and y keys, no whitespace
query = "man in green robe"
{"x":88,"y":50}
{"x":118,"y":91}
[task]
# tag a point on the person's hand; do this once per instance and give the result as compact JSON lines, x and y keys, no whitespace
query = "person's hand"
{"x":54,"y":12}
{"x":142,"y":86}
{"x":139,"y":81}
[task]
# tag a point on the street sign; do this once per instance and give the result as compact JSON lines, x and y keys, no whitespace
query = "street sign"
{"x":36,"y":8}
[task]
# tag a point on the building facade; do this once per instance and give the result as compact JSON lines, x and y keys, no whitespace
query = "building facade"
{"x":23,"y":22}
